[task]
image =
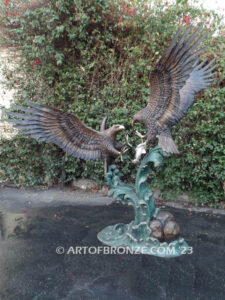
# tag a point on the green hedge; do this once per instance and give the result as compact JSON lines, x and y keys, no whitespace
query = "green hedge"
{"x":93,"y":57}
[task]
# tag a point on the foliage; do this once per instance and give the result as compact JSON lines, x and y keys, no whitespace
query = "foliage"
{"x":94,"y":57}
{"x":200,"y":168}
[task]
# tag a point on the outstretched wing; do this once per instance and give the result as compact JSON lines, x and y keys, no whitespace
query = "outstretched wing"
{"x":200,"y":78}
{"x":61,"y":128}
{"x":177,"y":78}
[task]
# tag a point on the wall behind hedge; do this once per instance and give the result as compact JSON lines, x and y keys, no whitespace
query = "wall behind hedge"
{"x":94,"y":57}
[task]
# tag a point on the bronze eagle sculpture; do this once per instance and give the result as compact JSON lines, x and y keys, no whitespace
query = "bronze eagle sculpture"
{"x":176,"y":79}
{"x":51,"y":125}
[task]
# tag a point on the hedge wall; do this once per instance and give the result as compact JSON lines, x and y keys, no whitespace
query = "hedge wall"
{"x":93,"y":57}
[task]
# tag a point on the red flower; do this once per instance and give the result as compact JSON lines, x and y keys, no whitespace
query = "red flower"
{"x":15,"y":14}
{"x":129,"y":11}
{"x":6,"y":2}
{"x":186,"y":19}
{"x":120,"y":20}
{"x":57,"y":5}
{"x":167,"y":3}
{"x":37,"y":61}
{"x":207,"y":22}
{"x":92,"y":20}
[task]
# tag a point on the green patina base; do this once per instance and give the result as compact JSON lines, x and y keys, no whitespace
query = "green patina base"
{"x":121,"y":235}
{"x":136,"y":235}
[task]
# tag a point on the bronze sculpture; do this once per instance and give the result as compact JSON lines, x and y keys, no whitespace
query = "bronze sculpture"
{"x":51,"y":125}
{"x":176,"y":79}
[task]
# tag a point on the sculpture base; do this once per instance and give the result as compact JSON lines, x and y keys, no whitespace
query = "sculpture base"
{"x":120,"y":235}
{"x":137,"y":236}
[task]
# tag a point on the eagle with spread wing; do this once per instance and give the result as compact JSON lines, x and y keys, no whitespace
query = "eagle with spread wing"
{"x":177,"y":77}
{"x":51,"y":125}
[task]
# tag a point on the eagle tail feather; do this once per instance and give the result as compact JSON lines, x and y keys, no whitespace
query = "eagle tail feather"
{"x":166,"y":143}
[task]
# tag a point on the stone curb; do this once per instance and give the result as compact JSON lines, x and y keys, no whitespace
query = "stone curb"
{"x":207,"y":210}
{"x":103,"y":198}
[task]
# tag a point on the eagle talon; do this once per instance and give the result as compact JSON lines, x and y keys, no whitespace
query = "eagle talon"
{"x":141,"y":136}
{"x":127,"y":140}
{"x":124,"y":150}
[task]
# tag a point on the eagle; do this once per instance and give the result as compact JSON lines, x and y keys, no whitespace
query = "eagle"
{"x":64,"y":129}
{"x":175,"y":80}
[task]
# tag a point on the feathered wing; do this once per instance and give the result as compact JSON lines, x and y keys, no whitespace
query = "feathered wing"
{"x":103,"y":124}
{"x":61,"y":128}
{"x":199,"y":79}
{"x":170,"y":76}
{"x":174,"y":82}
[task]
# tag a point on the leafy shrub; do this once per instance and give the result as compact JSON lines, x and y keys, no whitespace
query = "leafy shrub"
{"x":93,"y":57}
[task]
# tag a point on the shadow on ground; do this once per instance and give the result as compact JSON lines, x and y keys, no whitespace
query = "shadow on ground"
{"x":31,"y":269}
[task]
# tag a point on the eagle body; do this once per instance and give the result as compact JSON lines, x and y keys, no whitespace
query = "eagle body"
{"x":51,"y":125}
{"x":176,"y":79}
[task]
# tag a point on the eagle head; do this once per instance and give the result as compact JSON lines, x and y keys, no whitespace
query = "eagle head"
{"x":114,"y":130}
{"x":117,"y":128}
{"x":138,"y":117}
